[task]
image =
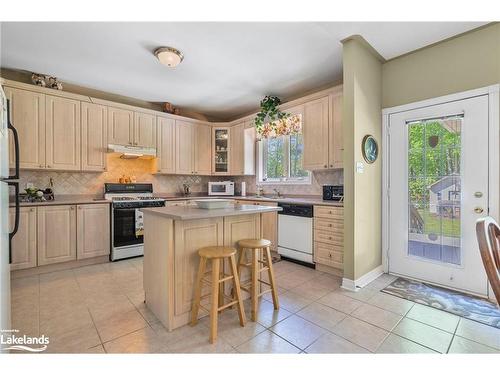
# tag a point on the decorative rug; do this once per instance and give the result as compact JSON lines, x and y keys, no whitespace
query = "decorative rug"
{"x":465,"y":305}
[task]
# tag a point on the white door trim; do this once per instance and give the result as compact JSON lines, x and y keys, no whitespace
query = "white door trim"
{"x":493,"y":93}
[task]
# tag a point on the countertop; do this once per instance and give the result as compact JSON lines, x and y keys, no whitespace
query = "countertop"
{"x":192,"y":213}
{"x":64,"y":199}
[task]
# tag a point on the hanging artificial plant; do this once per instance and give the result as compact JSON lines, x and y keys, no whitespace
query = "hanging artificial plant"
{"x":270,"y":122}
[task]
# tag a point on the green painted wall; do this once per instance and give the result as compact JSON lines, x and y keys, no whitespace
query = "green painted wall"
{"x":362,"y":105}
{"x":469,"y":61}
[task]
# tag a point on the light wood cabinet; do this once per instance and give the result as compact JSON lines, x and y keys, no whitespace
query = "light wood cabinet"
{"x":221,"y":148}
{"x":62,"y":129}
{"x":336,"y":143}
{"x":27,"y":111}
{"x":56,"y":234}
{"x":193,"y":144}
{"x":203,"y":150}
{"x":144,"y":130}
{"x":184,"y":137}
{"x":24,"y":242}
{"x":269,"y":222}
{"x":329,"y":236}
{"x":190,"y":236}
{"x":94,"y":137}
{"x":120,"y":126}
{"x":242,"y":150}
{"x":93,"y":233}
{"x":315,"y":133}
{"x":166,"y":145}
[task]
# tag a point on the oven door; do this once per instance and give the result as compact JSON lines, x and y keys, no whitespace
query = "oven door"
{"x":127,"y":227}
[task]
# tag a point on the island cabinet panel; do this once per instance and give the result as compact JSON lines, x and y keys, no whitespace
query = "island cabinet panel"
{"x":27,"y":114}
{"x":165,"y":148}
{"x":93,"y":230}
{"x":238,"y":228}
{"x":56,"y":234}
{"x":94,"y":137}
{"x":191,"y":236}
{"x":24,"y":242}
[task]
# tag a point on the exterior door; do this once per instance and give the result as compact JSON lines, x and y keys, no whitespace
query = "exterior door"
{"x":438,"y":188}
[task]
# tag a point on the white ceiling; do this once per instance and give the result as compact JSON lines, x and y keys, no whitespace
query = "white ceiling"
{"x":228,"y":67}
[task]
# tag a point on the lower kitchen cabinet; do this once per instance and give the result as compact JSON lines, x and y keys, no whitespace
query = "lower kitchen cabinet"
{"x":93,"y":237}
{"x":56,"y":234}
{"x":329,"y":236}
{"x":24,"y":242}
{"x":269,"y":222}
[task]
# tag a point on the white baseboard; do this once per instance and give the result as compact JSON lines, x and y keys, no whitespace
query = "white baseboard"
{"x":367,"y":278}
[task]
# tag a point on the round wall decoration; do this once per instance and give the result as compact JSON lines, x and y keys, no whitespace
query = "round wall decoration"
{"x":369,"y":148}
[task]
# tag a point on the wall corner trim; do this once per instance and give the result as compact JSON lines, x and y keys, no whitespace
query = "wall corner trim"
{"x":368,"y":46}
{"x":348,"y":284}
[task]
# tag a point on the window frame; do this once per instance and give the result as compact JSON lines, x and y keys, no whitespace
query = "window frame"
{"x":287,"y":180}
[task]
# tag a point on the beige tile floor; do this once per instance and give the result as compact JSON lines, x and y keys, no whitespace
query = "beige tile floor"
{"x":100,"y":309}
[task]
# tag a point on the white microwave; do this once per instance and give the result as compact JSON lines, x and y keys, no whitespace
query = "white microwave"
{"x":221,"y":188}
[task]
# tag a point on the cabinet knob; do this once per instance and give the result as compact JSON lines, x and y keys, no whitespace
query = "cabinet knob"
{"x":41,"y":165}
{"x":32,"y":209}
{"x":330,"y":255}
{"x":326,"y":166}
{"x":49,"y":166}
{"x":72,"y":207}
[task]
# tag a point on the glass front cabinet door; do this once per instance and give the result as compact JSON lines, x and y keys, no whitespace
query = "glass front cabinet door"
{"x":221,"y":151}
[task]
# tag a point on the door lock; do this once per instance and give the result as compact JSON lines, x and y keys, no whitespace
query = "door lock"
{"x":478,"y":210}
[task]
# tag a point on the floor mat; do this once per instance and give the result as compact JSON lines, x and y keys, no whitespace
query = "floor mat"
{"x":454,"y":302}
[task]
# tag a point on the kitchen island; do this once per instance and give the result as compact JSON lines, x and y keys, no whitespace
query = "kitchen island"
{"x":172,"y":237}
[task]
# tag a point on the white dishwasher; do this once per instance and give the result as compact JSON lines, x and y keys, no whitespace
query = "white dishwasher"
{"x":295,"y":232}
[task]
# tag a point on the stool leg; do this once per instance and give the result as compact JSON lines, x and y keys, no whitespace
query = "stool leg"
{"x":237,"y":291}
{"x":221,"y":285}
{"x":197,"y":291}
{"x":241,"y":257}
{"x":271,"y":278}
{"x":214,"y":308}
{"x":255,"y":283}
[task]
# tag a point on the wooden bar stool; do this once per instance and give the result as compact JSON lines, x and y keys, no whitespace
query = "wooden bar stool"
{"x":256,"y":247}
{"x":217,"y":254}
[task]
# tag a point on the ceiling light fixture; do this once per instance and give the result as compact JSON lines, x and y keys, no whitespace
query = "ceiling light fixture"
{"x":169,"y":56}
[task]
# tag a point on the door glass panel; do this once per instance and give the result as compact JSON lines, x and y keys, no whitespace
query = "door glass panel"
{"x":434,"y":189}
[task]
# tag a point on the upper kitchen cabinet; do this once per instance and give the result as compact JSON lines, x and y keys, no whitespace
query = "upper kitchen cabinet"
{"x":185,"y":144}
{"x":94,"y":136}
{"x":120,"y":126}
{"x":62,"y":130}
{"x":315,"y":131}
{"x":221,"y":149}
{"x":193,"y":145}
{"x":144,"y":130}
{"x":322,"y":130}
{"x":165,"y":145}
{"x":242,"y":149}
{"x":336,"y":144}
{"x":27,"y":110}
{"x":203,"y":151}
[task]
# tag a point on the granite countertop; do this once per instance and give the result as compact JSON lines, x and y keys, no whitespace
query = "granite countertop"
{"x":192,"y":213}
{"x":64,"y":199}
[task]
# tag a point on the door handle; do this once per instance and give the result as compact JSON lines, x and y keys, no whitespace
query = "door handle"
{"x":15,"y":176}
{"x":16,"y":219}
{"x":478,"y":210}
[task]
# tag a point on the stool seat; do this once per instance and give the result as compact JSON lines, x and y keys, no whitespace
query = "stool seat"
{"x":254,"y":243}
{"x":215,"y":252}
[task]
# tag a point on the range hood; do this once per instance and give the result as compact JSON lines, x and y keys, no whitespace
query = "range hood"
{"x":133,"y":152}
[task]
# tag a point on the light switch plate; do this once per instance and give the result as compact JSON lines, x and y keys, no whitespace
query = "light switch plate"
{"x":360,"y":167}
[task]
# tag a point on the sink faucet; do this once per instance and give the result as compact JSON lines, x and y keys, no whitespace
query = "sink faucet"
{"x":278,"y":194}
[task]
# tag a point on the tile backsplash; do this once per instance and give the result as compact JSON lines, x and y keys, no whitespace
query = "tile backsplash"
{"x":142,"y":169}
